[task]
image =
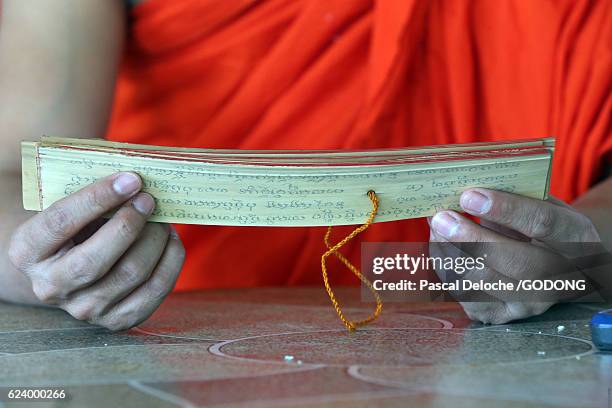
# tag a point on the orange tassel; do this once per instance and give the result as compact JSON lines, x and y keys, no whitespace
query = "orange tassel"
{"x":351,"y":325}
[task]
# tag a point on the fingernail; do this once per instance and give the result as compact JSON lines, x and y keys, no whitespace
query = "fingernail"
{"x":445,"y":224}
{"x":475,"y":202}
{"x":144,"y":204}
{"x":126,"y":183}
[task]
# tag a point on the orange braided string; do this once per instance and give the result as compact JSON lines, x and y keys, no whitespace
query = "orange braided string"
{"x":351,"y":325}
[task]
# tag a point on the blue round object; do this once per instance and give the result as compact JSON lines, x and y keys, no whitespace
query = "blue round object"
{"x":601,"y":330}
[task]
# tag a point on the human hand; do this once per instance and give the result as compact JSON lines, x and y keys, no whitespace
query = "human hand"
{"x":113,"y":273}
{"x":532,"y":237}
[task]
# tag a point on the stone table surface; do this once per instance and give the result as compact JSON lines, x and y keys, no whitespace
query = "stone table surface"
{"x":233,"y":348}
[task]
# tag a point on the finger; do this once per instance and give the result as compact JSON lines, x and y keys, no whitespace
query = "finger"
{"x":505,"y":255}
{"x":143,"y":301}
{"x":510,"y":258}
{"x":510,"y":233}
{"x":132,"y":270}
{"x":486,"y":312}
{"x":84,"y":264}
{"x":445,"y":250}
{"x":501,"y":313}
{"x":533,"y":218}
{"x":560,"y":203}
{"x":454,"y":227}
{"x":494,"y":313}
{"x":48,"y":230}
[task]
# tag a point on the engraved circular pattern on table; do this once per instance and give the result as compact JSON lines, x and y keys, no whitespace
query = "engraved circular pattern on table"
{"x":403,"y":347}
{"x":217,"y":321}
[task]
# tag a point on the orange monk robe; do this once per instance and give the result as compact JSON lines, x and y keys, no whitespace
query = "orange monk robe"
{"x":340,"y":74}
